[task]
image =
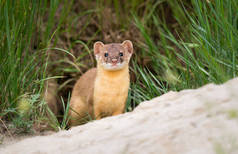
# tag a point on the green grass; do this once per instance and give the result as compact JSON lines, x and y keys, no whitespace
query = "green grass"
{"x":19,"y":62}
{"x":204,"y":48}
{"x":53,"y":121}
{"x":23,"y":62}
{"x":178,"y":45}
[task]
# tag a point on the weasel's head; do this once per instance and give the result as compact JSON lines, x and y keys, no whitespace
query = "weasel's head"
{"x":114,"y":56}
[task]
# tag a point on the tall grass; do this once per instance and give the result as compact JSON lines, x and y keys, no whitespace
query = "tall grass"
{"x":17,"y":73}
{"x":203,"y":49}
{"x":23,"y":65}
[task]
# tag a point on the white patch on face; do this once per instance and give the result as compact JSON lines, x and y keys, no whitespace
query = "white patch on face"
{"x":110,"y":67}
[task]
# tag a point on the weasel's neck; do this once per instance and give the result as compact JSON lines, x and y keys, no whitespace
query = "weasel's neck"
{"x":112,"y":75}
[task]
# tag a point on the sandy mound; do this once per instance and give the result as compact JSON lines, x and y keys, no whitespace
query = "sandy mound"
{"x":202,"y":121}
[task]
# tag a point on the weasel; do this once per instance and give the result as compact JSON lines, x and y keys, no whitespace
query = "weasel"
{"x":102,"y":91}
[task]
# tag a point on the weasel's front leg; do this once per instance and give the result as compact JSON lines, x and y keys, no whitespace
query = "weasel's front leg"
{"x":118,"y":111}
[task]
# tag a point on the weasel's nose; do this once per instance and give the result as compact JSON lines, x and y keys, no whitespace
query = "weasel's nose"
{"x":114,"y":60}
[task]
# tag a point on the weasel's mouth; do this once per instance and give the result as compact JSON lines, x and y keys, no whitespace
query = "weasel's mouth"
{"x":115,"y":63}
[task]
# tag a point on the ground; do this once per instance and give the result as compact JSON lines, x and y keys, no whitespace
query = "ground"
{"x":204,"y":120}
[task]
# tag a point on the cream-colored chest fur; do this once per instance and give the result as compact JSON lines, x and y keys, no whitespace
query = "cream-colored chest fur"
{"x":110,"y":92}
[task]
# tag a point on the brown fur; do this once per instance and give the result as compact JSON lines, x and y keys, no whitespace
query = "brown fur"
{"x":81,"y":101}
{"x":101,"y":92}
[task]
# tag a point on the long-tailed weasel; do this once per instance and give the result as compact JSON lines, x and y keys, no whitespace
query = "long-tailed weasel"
{"x":103,"y":91}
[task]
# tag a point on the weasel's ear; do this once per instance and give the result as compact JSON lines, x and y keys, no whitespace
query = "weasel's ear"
{"x":97,"y":46}
{"x":127,"y":44}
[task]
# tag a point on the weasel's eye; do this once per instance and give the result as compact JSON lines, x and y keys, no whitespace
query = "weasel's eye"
{"x":121,"y":54}
{"x":106,"y":54}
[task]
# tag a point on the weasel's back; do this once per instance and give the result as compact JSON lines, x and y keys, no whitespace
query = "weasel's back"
{"x":85,"y":85}
{"x":81,"y":102}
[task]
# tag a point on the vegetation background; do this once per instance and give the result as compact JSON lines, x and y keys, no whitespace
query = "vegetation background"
{"x":178,"y":44}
